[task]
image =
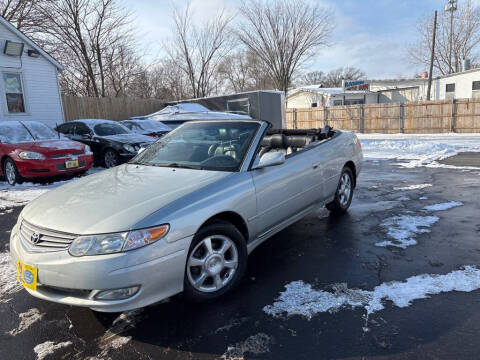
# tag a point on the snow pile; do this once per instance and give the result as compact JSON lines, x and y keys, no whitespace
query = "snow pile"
{"x":443,"y":206}
{"x":256,"y":344}
{"x":413,"y":187}
{"x":418,"y":149}
{"x":26,"y":320}
{"x":8,"y":277}
{"x":402,"y":229}
{"x":49,"y":347}
{"x":300,"y":299}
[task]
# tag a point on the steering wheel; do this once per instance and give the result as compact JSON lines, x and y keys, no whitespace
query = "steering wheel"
{"x":219,"y":160}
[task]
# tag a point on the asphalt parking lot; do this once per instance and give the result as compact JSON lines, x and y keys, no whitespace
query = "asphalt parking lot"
{"x":322,"y":252}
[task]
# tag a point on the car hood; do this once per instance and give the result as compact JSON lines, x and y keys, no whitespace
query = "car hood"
{"x":50,"y":147}
{"x":114,"y":200}
{"x":130,"y":138}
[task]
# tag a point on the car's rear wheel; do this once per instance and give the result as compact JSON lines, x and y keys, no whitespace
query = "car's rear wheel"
{"x":11,"y":172}
{"x":216,"y":261}
{"x":110,"y":158}
{"x":344,"y":193}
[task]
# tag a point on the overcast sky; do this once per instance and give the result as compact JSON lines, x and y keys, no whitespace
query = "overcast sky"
{"x":370,"y":34}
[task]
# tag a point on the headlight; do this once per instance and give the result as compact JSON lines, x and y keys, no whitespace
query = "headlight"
{"x":114,"y":243}
{"x":30,"y":155}
{"x":129,"y":148}
{"x":88,"y":151}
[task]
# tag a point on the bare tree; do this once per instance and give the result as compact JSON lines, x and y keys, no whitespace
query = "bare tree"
{"x":89,"y":37}
{"x":466,"y":39}
{"x":23,"y":14}
{"x":283,"y":34}
{"x":311,"y":78}
{"x":243,"y":71}
{"x":198,"y":50}
{"x":334,"y":77}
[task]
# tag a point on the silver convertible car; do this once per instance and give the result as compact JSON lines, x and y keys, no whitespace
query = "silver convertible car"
{"x":183,"y":215}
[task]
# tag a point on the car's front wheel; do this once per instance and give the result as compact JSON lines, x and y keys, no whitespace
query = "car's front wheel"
{"x":110,"y":158}
{"x":11,"y":172}
{"x":344,"y":193}
{"x":216,"y":261}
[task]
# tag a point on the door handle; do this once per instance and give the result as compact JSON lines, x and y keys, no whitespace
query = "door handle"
{"x":316,"y":165}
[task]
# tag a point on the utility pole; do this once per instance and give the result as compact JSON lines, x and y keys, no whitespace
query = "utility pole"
{"x":452,"y":7}
{"x":432,"y":56}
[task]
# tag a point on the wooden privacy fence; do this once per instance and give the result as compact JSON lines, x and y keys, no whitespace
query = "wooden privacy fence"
{"x":75,"y":107}
{"x":461,"y":115}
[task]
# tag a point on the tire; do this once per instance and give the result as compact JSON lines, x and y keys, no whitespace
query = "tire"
{"x":344,"y":193}
{"x":207,"y":275}
{"x":10,"y":171}
{"x":110,"y":158}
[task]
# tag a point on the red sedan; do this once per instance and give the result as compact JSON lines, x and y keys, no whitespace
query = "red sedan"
{"x":30,"y":149}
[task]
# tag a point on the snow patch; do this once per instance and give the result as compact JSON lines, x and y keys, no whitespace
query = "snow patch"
{"x":8,"y":277}
{"x":443,"y":206}
{"x":300,"y":299}
{"x":19,"y":195}
{"x":256,"y":344}
{"x":403,"y":198}
{"x":423,"y":198}
{"x":413,"y":187}
{"x":26,"y":320}
{"x":49,"y":347}
{"x":403,"y":229}
{"x":418,"y":149}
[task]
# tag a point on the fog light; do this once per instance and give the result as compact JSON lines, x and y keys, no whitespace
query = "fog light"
{"x":117,"y":294}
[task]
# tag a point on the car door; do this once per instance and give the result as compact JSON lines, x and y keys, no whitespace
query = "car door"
{"x":283,"y":191}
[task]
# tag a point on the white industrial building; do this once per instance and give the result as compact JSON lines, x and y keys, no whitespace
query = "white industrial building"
{"x":459,"y":85}
{"x":29,"y":88}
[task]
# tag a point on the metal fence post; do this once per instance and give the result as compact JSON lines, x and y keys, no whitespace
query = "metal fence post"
{"x":401,"y":118}
{"x":294,"y":118}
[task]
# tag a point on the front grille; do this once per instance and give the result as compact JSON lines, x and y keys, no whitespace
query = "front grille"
{"x":48,"y":240}
{"x":66,"y":156}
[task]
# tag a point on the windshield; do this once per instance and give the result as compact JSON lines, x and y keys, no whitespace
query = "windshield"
{"x":12,"y":132}
{"x":146,"y":125}
{"x":106,"y":129}
{"x":40,"y":131}
{"x":219,"y":146}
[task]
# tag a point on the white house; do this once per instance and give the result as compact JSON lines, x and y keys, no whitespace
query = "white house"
{"x":318,"y":96}
{"x":460,"y":85}
{"x":29,"y":88}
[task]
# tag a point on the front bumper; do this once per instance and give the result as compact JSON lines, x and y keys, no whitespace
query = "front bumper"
{"x":158,"y":269}
{"x":51,"y":167}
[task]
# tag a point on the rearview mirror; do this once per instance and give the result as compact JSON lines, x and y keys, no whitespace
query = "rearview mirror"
{"x":270,"y":159}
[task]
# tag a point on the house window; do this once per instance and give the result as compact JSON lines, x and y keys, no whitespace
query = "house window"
{"x":314,"y":104}
{"x":476,"y":85}
{"x":450,"y":88}
{"x":354,"y":101}
{"x":337,"y":102}
{"x":14,"y":92}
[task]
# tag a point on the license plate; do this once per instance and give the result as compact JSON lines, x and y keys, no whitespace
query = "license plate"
{"x":27,"y":275}
{"x":71,"y":164}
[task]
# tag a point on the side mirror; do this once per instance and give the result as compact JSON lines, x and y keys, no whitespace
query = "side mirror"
{"x":270,"y":159}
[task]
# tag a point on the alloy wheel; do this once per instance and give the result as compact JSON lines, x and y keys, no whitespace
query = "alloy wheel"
{"x":110,"y":159}
{"x":212,"y":263}
{"x":10,"y":172}
{"x":345,"y":189}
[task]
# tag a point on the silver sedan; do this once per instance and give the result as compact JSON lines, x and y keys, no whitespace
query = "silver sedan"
{"x":183,"y":215}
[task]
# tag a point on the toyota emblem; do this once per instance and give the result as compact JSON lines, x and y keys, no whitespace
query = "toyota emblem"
{"x":35,"y":238}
